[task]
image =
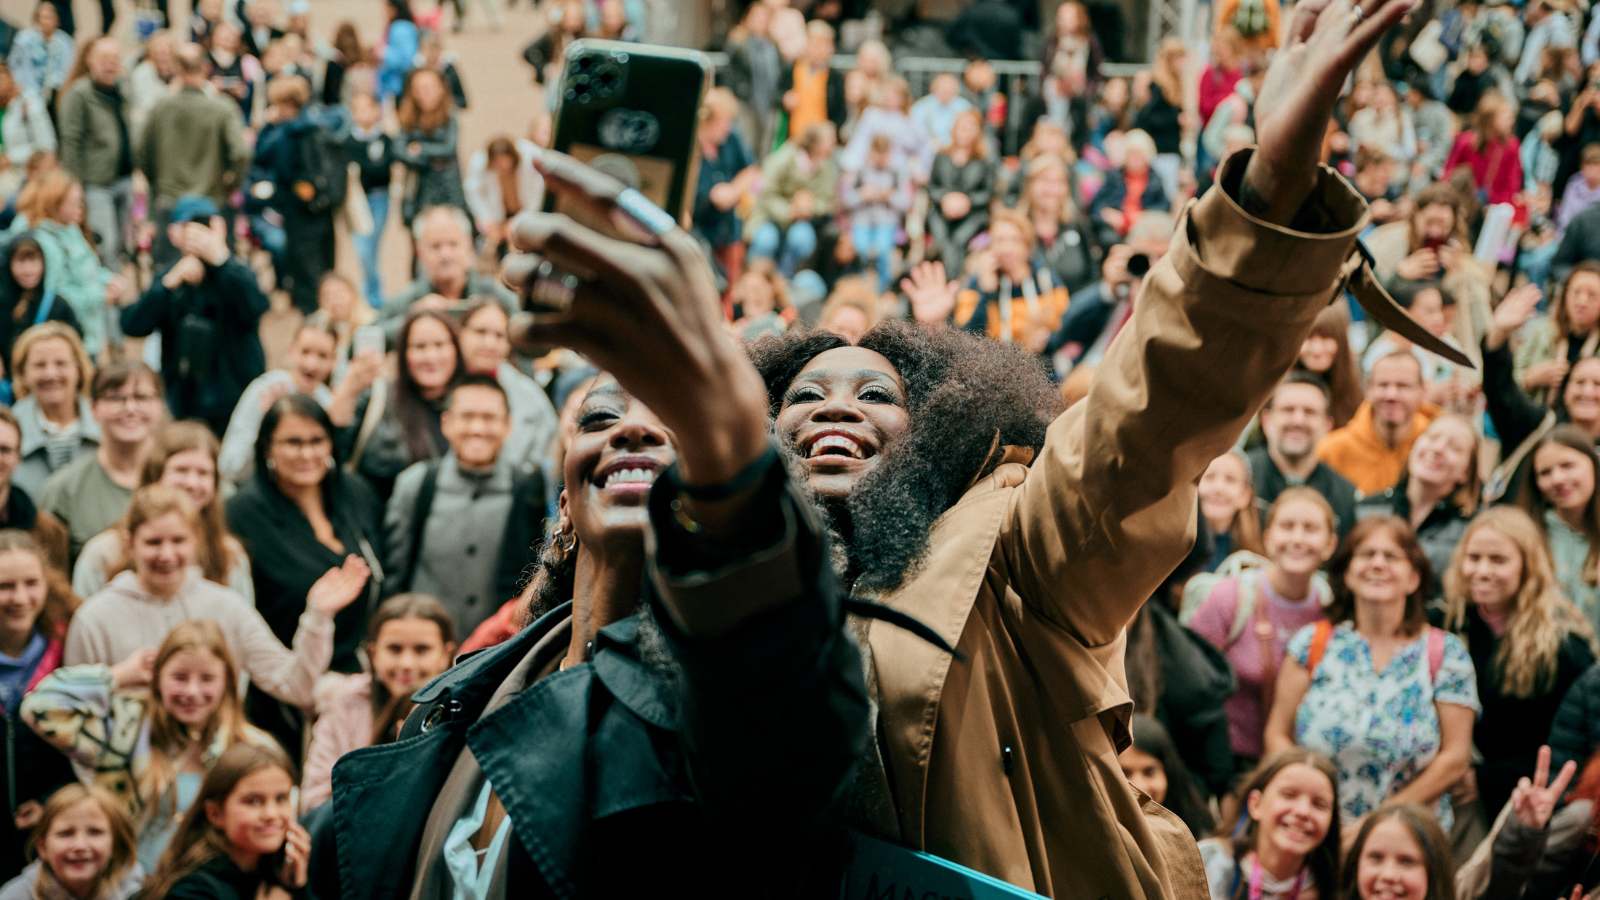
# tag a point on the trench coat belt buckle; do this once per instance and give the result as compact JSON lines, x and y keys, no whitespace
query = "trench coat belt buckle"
{"x":1362,"y":282}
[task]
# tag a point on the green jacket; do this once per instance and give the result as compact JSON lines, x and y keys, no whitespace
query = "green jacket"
{"x":93,"y":126}
{"x":193,"y":143}
{"x":785,"y":174}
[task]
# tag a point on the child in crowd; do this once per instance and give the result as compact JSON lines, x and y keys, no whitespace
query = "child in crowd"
{"x":312,"y":354}
{"x":1400,"y":852}
{"x":876,"y":199}
{"x":1228,"y":503}
{"x":1152,"y":765}
{"x":240,"y":840}
{"x":1286,"y":843}
{"x":35,"y":606}
{"x":84,"y":844}
{"x":410,"y":640}
{"x":149,"y":727}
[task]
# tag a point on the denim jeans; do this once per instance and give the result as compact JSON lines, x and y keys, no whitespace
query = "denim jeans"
{"x":367,"y":247}
{"x":791,"y":249}
{"x":875,"y":245}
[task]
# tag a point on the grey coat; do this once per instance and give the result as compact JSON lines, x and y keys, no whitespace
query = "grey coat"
{"x":35,"y":469}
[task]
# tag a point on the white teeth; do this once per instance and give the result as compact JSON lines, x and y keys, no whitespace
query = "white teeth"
{"x":836,"y":441}
{"x":630,"y":476}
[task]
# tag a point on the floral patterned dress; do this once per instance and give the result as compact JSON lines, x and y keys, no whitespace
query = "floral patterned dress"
{"x":1381,"y":729}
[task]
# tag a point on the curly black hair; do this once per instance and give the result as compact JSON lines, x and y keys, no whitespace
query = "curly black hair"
{"x":966,"y":396}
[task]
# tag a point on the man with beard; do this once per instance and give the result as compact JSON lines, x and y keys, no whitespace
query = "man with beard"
{"x":1024,"y":540}
{"x":1371,"y":451}
{"x":1294,"y":420}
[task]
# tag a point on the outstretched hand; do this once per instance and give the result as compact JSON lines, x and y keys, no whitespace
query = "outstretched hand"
{"x":1533,"y":802}
{"x":339,"y":586}
{"x":1327,"y":40}
{"x":932,"y":297}
{"x":1514,"y":311}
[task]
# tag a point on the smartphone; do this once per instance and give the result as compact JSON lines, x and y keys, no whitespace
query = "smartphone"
{"x":633,"y":111}
{"x":367,"y":339}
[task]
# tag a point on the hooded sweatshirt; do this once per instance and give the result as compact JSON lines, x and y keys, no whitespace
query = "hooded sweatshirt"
{"x":1356,"y":452}
{"x":123,"y":619}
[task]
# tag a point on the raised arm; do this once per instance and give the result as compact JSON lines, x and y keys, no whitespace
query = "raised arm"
{"x":78,"y":710}
{"x":288,"y":674}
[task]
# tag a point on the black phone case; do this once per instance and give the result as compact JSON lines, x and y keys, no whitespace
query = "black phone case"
{"x":633,"y":110}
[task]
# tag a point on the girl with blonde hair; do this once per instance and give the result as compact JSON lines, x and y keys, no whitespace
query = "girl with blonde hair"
{"x":1527,"y":641}
{"x":83,"y":846}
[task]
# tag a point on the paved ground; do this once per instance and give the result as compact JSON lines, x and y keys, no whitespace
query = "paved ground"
{"x":498,"y":83}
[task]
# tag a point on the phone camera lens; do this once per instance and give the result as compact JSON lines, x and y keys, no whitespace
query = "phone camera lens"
{"x":584,"y":62}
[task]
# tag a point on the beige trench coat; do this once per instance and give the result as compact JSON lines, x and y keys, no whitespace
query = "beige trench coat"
{"x":1006,"y":761}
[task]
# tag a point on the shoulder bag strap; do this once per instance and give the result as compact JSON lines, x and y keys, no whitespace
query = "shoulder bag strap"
{"x":420,"y":510}
{"x":1319,"y":645}
{"x":377,"y":400}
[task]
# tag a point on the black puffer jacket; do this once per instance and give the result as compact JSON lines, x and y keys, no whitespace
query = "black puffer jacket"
{"x":1575,"y":733}
{"x":21,"y":310}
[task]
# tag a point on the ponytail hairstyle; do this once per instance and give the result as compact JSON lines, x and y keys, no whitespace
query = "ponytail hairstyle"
{"x":387,"y":710}
{"x":197,"y":841}
{"x":1539,"y":615}
{"x":1324,"y":860}
{"x":1425,"y":830}
{"x":170,"y":739}
{"x":124,"y":841}
{"x":59,"y":600}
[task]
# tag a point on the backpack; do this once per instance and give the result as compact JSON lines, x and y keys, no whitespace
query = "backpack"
{"x":322,"y":176}
{"x":1250,"y":18}
{"x":1246,"y":568}
{"x":1324,"y":630}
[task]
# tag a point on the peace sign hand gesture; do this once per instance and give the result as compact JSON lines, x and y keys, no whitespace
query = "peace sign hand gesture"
{"x":1533,"y":802}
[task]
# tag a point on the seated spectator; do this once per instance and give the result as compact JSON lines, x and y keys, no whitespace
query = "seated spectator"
{"x":486,"y":350}
{"x":851,"y":310}
{"x":1390,"y":699}
{"x":83,"y":846}
{"x":1439,"y":490}
{"x":52,"y":205}
{"x":51,"y":378}
{"x":470,"y":506}
{"x":1065,"y":238}
{"x":811,"y":91}
{"x":312,"y":353}
{"x":149,"y":726}
{"x":443,"y":237}
{"x":755,"y":66}
{"x":25,"y":298}
{"x":239,"y":838}
{"x":1583,"y":189}
{"x":25,"y":130}
{"x":799,"y":187}
{"x":1385,"y":125}
{"x":410,"y":640}
{"x":1432,"y":244}
{"x":1290,"y":833}
{"x":394,"y":423}
{"x":1528,"y":643}
{"x":1098,"y":313}
{"x":1548,"y":348}
{"x":1272,"y":602}
{"x":728,"y":174}
{"x":1399,"y":850}
{"x":1129,"y":191}
{"x":1228,"y":504}
{"x":300,"y":516}
{"x":42,"y":54}
{"x":38,"y":606}
{"x":1326,"y":355}
{"x":1294,"y":420}
{"x":874,"y":200}
{"x":873,"y":68}
{"x":1006,"y":273}
{"x":427,"y":146}
{"x":183,"y":457}
{"x":501,"y":182}
{"x":1377,"y":178}
{"x":1160,"y":94}
{"x":1223,"y":70}
{"x":1436,"y":130}
{"x":1153,"y":765}
{"x":1562,"y":500}
{"x":92,"y":492}
{"x":760,"y":301}
{"x":1489,"y":149}
{"x":935,"y":115}
{"x":959,"y":190}
{"x":1372,"y":450}
{"x":207,"y":308}
{"x":1519,"y":422}
{"x":1450,"y":386}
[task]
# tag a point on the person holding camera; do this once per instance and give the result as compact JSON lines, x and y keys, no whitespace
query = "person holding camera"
{"x":207,"y":308}
{"x":1099,"y":312}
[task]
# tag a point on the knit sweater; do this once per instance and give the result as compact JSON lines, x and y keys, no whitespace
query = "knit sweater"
{"x":124,"y":619}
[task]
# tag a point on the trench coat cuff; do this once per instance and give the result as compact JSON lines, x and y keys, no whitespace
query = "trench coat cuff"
{"x":1264,"y":258}
{"x":710,"y":591}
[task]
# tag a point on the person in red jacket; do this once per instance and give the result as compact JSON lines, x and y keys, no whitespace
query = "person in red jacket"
{"x":1489,"y":148}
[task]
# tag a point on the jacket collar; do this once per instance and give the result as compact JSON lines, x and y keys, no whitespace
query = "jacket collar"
{"x":31,"y":418}
{"x":481,"y":672}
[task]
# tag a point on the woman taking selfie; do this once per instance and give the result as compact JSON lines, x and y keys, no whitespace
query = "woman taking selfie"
{"x":1528,"y":643}
{"x":182,"y":456}
{"x":1390,"y":699}
{"x":51,"y":377}
{"x":1562,"y":501}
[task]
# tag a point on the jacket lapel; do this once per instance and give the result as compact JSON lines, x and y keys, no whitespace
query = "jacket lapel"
{"x":911,"y":671}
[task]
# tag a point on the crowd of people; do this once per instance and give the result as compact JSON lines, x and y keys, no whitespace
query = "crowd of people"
{"x":1017,"y":341}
